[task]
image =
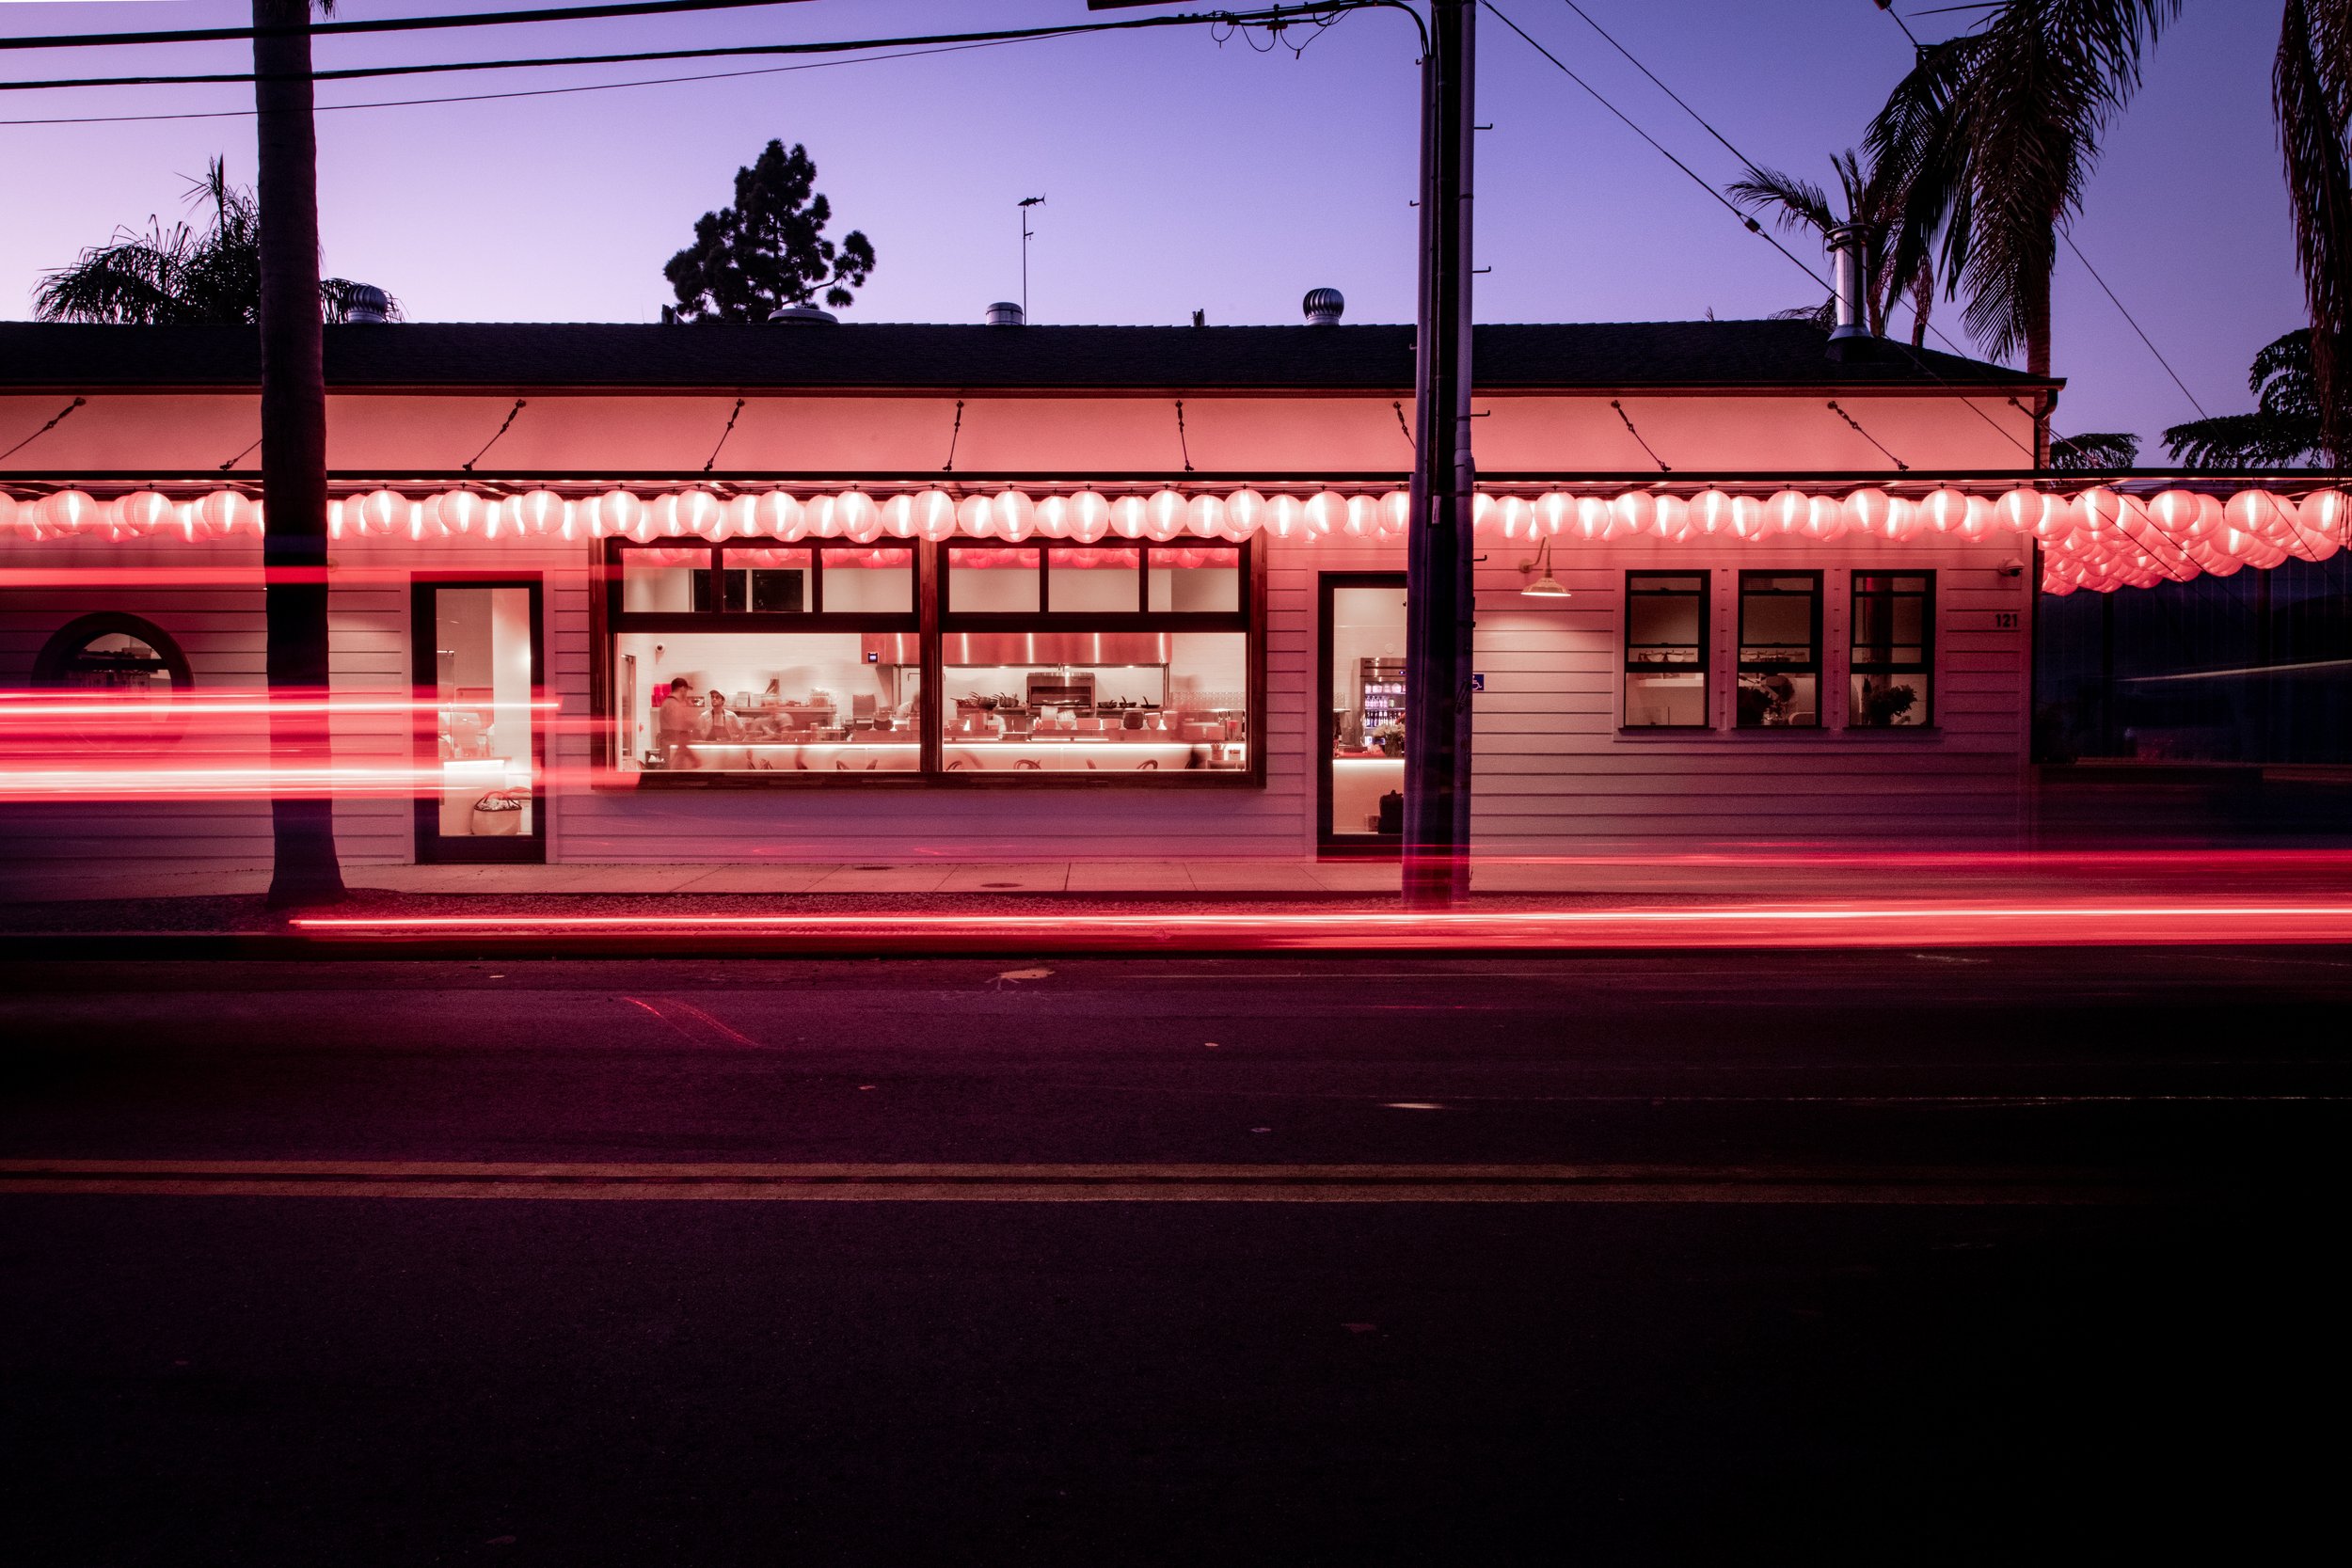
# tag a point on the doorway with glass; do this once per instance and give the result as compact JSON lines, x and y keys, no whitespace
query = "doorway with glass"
{"x":480,"y":747}
{"x":1359,"y":783}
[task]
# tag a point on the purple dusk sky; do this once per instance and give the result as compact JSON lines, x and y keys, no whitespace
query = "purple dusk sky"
{"x":1179,"y":173}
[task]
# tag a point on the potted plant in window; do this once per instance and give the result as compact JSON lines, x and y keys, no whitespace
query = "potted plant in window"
{"x":1883,"y":702}
{"x":1390,"y":737}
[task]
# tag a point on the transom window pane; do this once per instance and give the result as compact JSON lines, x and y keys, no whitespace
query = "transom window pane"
{"x":1094,"y":580}
{"x":665,"y":579}
{"x":868,"y":582}
{"x":770,"y":580}
{"x":986,"y":581}
{"x":1201,"y":581}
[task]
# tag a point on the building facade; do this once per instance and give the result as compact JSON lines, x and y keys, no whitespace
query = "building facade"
{"x":828,"y":592}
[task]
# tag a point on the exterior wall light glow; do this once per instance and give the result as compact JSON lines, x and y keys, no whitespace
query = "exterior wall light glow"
{"x":1541,"y":584}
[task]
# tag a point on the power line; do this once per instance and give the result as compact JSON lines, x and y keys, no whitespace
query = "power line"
{"x":514,"y":92}
{"x":1274,"y":15}
{"x":390,"y":25}
{"x":2136,"y":326}
{"x":1746,"y":222}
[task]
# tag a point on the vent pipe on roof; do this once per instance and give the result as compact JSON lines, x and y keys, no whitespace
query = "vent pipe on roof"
{"x":802,"y":315}
{"x":1849,"y":336}
{"x":1324,"y":307}
{"x":1005,"y":314}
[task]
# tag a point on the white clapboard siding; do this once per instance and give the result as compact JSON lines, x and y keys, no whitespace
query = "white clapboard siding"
{"x":1556,"y":774}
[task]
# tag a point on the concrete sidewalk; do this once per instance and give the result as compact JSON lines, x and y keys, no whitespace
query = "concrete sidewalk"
{"x":1767,"y":873}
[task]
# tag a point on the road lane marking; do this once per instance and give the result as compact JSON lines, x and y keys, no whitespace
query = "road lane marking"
{"x":929,"y":1182}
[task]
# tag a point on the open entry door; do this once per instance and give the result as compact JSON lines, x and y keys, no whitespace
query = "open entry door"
{"x":479,"y":743}
{"x":1360,"y":765}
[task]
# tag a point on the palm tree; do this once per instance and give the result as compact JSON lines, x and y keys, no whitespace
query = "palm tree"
{"x":2311,"y":91}
{"x":1873,"y":204}
{"x":1991,"y":138}
{"x":2288,"y":425}
{"x":179,"y":273}
{"x":305,"y":867}
{"x":2093,"y":452}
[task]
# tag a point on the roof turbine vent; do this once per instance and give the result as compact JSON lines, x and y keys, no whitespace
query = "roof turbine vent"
{"x":802,"y":315}
{"x":1005,"y":314}
{"x":1324,"y":307}
{"x":368,"y":303}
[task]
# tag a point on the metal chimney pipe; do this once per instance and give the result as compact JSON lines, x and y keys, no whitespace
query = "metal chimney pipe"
{"x":1851,"y":272}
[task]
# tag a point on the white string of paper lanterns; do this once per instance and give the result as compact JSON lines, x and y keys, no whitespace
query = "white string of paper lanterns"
{"x":2098,"y":539}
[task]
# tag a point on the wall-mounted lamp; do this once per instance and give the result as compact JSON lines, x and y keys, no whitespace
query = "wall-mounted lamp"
{"x":2012,"y":567}
{"x":1541,"y":583}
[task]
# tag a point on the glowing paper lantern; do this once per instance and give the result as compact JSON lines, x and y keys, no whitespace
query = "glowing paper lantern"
{"x":779,"y":515}
{"x":2211,"y":519}
{"x":934,"y":514}
{"x":2260,"y":513}
{"x":380,"y":512}
{"x":1396,"y":513}
{"x":1871,"y":512}
{"x":1053,"y":517}
{"x":1711,"y":513}
{"x":144,"y":513}
{"x":222,"y":512}
{"x":820,"y":518}
{"x":621,"y":515}
{"x":1555,"y":513}
{"x":1673,"y":520}
{"x":1090,"y":516}
{"x":1205,"y":518}
{"x":1164,"y":517}
{"x":1016,"y":516}
{"x":1785,"y":513}
{"x":1326,"y":512}
{"x":1244,"y":514}
{"x":1363,"y":518}
{"x":1747,"y":519}
{"x":2324,"y":514}
{"x":1514,"y":518}
{"x":1629,"y":514}
{"x":539,"y":514}
{"x":1130,"y":518}
{"x":861,"y":519}
{"x":1590,"y":525}
{"x":15,"y":517}
{"x":1824,"y":519}
{"x":70,"y":512}
{"x":1286,"y":517}
{"x":455,"y":512}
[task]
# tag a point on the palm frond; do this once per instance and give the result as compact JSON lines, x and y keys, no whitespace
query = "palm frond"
{"x":2100,"y":450}
{"x":1793,"y":204}
{"x":2256,"y":440}
{"x":2311,"y":92}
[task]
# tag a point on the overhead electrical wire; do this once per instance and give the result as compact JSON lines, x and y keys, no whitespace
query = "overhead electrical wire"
{"x":1746,"y":221}
{"x":520,"y":92}
{"x":1000,"y":35}
{"x":389,"y":25}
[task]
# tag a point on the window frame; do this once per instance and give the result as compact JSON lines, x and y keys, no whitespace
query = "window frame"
{"x":1924,"y":668}
{"x":1817,"y":667}
{"x":1705,"y":667}
{"x":931,"y":620}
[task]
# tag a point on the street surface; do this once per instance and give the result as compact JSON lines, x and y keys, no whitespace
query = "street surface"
{"x":1903,"y":1256}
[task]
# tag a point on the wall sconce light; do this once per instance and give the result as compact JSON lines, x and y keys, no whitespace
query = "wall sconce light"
{"x":1537,"y":570}
{"x":2012,"y":567}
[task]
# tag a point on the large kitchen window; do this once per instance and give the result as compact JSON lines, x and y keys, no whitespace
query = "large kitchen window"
{"x":1128,"y":658}
{"x":971,"y":662}
{"x":1780,"y":650}
{"x":743,"y":659}
{"x":1892,"y":662}
{"x":1665,"y":650}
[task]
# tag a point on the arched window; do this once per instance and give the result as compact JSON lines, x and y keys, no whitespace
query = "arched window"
{"x":112,"y":652}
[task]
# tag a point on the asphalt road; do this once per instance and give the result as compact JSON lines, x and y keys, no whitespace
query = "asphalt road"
{"x":1896,"y":1258}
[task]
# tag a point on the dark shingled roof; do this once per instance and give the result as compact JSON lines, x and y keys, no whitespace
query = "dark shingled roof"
{"x":525,"y":355}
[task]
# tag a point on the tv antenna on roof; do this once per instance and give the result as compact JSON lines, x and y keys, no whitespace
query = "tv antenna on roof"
{"x":1024,"y":204}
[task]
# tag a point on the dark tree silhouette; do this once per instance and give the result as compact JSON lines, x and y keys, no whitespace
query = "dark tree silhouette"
{"x":769,"y":250}
{"x":1874,"y":202}
{"x":179,"y":273}
{"x":2112,"y":448}
{"x":2286,"y":426}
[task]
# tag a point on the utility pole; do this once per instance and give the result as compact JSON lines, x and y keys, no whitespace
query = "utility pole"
{"x":1025,"y":203}
{"x":294,"y":451}
{"x":1440,"y":590}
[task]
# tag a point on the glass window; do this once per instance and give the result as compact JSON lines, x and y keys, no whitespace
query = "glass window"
{"x":766,"y":701}
{"x":1195,"y":579}
{"x":1780,"y":650}
{"x":1367,"y":714}
{"x":115,"y":654}
{"x":1893,"y":664}
{"x":994,"y":580}
{"x":753,"y":658}
{"x":1665,"y":650}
